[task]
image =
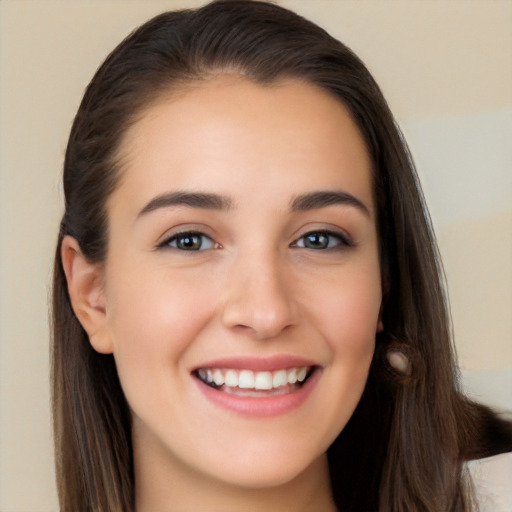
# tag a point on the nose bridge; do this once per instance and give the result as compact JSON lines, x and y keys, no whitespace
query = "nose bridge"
{"x":258,"y":297}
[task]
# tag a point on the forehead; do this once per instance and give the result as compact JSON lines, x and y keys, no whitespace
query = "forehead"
{"x":230,"y":131}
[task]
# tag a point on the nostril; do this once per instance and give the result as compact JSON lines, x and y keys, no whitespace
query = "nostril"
{"x":258,"y":302}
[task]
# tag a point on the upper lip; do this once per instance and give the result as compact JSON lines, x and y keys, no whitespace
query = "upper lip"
{"x":270,"y":363}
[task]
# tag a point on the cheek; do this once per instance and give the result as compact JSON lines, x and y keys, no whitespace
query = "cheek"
{"x":153,"y":319}
{"x":348,"y":312}
{"x":348,"y":317}
{"x":345,"y":312}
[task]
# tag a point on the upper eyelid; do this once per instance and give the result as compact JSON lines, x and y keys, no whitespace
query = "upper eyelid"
{"x":185,"y":229}
{"x":164,"y":242}
{"x":344,"y":237}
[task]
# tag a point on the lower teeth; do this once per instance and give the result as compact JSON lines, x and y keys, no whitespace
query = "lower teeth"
{"x":283,"y":390}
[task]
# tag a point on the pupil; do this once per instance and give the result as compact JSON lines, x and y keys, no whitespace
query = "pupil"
{"x":190,"y":242}
{"x":317,"y":241}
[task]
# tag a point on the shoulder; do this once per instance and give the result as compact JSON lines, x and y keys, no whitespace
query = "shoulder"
{"x":492,"y":481}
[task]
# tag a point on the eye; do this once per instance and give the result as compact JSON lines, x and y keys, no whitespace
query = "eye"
{"x":189,"y":241}
{"x":322,"y":240}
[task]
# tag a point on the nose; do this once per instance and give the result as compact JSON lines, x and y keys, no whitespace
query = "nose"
{"x":259,"y":301}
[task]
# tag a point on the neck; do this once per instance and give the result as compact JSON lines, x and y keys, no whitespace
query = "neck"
{"x":181,"y":489}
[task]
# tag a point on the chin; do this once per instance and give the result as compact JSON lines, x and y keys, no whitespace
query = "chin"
{"x":268,"y":470}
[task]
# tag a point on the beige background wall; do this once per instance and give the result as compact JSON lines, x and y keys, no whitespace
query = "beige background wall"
{"x":445,"y":68}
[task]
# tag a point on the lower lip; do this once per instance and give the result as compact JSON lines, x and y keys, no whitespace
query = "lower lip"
{"x":267,"y":406}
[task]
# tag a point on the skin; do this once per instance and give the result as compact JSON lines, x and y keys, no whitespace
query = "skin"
{"x":254,"y":289}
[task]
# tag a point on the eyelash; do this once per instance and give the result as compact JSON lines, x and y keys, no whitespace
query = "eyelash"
{"x":177,"y":237}
{"x":340,"y":241}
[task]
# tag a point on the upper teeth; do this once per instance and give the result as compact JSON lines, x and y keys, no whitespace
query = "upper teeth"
{"x":247,"y":379}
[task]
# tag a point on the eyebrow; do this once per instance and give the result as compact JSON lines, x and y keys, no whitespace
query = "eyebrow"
{"x":190,"y":199}
{"x":322,"y":199}
{"x":207,"y":201}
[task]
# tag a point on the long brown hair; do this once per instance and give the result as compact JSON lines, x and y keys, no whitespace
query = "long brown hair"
{"x":404,"y":447}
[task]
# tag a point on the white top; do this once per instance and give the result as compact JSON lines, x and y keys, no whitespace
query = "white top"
{"x":492,"y":478}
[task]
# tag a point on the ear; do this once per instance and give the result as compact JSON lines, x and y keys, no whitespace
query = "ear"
{"x":85,"y":288}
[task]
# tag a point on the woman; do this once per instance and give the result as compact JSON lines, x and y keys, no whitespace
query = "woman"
{"x":248,"y":310}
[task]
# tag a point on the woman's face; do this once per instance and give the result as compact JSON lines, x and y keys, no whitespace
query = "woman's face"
{"x":241,"y":288}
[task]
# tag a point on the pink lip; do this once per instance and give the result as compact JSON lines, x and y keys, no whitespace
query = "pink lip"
{"x":259,"y":407}
{"x":258,"y":364}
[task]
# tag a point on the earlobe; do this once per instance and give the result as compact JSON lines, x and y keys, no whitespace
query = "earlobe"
{"x":85,"y":288}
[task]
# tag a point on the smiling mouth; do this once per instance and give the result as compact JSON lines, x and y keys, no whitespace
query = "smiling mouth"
{"x":255,"y":383}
